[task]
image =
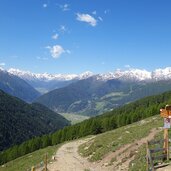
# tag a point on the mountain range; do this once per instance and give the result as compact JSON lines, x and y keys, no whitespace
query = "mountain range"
{"x":47,"y":82}
{"x":20,"y":121}
{"x":92,"y":94}
{"x":129,"y":74}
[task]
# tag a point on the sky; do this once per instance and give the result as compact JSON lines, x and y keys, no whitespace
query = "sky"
{"x":64,"y":36}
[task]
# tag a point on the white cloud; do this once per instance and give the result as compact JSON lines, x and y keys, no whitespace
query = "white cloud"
{"x":47,"y":47}
{"x":65,"y":7}
{"x":87,"y":18}
{"x":94,"y":12}
{"x":63,"y":28}
{"x":106,"y":11}
{"x":100,"y":18}
{"x":55,"y":36}
{"x":56,"y":51}
{"x":127,"y":66}
{"x":68,"y":51}
{"x":44,"y":5}
{"x":2,"y":64}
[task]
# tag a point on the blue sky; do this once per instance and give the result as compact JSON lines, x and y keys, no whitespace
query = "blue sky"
{"x":60,"y":36}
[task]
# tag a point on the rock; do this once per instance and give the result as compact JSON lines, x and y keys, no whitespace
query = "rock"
{"x":85,"y":148}
{"x":127,"y":132}
{"x":106,"y":164}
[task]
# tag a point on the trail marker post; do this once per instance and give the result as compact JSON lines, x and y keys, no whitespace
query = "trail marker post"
{"x":166,"y":114}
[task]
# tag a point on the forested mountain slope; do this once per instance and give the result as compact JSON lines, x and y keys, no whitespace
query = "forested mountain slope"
{"x":20,"y":121}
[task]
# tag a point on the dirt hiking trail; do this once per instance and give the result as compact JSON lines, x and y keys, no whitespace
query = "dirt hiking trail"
{"x":68,"y":159}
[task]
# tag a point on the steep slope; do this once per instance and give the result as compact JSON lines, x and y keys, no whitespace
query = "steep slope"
{"x":17,"y":87}
{"x":100,"y":150}
{"x":110,"y":151}
{"x":94,"y":96}
{"x":20,"y":121}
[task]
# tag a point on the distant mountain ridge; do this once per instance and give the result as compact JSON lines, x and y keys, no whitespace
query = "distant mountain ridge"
{"x":16,"y":86}
{"x":47,"y":82}
{"x":129,"y":74}
{"x":27,"y":75}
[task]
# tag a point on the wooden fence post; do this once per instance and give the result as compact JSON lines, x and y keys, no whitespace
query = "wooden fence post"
{"x":166,"y":142}
{"x":33,"y":168}
{"x":147,"y":157}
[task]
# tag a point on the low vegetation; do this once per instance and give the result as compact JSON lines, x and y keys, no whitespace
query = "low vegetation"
{"x":139,"y":162}
{"x":113,"y":140}
{"x":29,"y":160}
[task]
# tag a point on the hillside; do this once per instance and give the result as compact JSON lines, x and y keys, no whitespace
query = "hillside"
{"x":122,"y":116}
{"x":20,"y":121}
{"x":113,"y":150}
{"x":15,"y":86}
{"x":94,"y":96}
{"x":102,"y":152}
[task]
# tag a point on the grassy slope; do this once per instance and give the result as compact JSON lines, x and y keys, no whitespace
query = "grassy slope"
{"x":139,"y":161}
{"x":26,"y":162}
{"x":113,"y":140}
{"x":103,"y":144}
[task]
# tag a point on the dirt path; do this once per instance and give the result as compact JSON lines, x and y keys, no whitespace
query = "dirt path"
{"x":126,"y":153}
{"x":68,"y":159}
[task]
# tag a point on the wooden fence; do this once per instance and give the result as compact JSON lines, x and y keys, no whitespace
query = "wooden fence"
{"x":157,"y":153}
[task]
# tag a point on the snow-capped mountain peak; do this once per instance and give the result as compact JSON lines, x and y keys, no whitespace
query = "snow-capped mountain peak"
{"x":162,"y":74}
{"x":131,"y":75}
{"x":27,"y":75}
{"x":127,"y":75}
{"x":1,"y":69}
{"x":85,"y":75}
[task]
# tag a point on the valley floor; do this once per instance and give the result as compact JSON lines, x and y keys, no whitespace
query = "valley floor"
{"x":68,"y":159}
